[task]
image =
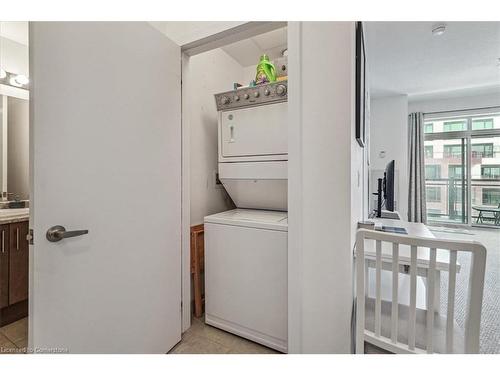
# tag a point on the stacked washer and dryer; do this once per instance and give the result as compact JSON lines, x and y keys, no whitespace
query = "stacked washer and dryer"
{"x":246,"y":260}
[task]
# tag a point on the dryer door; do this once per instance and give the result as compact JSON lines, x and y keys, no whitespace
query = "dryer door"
{"x":254,"y":132}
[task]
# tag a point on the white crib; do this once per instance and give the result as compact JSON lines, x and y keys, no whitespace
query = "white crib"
{"x":402,"y":328}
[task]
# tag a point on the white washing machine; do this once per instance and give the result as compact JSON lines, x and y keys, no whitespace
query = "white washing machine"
{"x":246,"y":275}
{"x":246,"y":249}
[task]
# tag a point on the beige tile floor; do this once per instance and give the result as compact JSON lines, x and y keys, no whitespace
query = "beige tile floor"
{"x":199,"y":339}
{"x":204,"y":339}
{"x":14,"y":337}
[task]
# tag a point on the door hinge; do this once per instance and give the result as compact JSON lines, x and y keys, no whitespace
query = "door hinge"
{"x":29,"y":237}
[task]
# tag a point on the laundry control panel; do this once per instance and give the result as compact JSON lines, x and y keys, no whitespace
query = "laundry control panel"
{"x":250,"y":96}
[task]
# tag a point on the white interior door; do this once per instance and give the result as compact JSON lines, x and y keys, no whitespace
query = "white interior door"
{"x":106,"y":156}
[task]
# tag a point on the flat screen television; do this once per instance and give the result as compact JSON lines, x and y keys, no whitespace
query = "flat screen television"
{"x":385,"y":191}
{"x":389,"y":186}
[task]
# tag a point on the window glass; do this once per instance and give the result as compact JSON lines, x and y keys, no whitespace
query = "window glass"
{"x":484,"y":123}
{"x":444,"y":126}
{"x":433,"y":193}
{"x":432,"y":172}
{"x":457,"y":175}
{"x":482,"y":150}
{"x":454,"y":126}
{"x":457,"y":193}
{"x":452,"y":151}
{"x":491,"y":196}
{"x":462,"y":124}
{"x":455,"y":171}
{"x":429,"y":151}
{"x":490,"y":171}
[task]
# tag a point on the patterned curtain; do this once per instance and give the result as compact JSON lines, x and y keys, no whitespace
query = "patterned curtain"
{"x":416,"y":169}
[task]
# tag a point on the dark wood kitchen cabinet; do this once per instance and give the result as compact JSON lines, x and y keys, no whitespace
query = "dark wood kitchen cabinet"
{"x":4,"y":265}
{"x":18,"y":262}
{"x":14,"y":271}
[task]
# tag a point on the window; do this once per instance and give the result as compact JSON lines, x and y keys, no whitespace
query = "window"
{"x":429,"y":151}
{"x":482,"y":150}
{"x":455,"y":171}
{"x":484,"y":123}
{"x":432,"y":172}
{"x":433,"y":194}
{"x":454,"y":126}
{"x":490,"y":171}
{"x":462,"y":164}
{"x":457,"y":190}
{"x":452,"y":151}
{"x":491,"y":197}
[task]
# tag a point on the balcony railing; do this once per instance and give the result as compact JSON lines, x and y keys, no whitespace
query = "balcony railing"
{"x":449,"y":203}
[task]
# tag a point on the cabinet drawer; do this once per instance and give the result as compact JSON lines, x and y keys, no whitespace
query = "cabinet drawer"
{"x":18,"y":262}
{"x":4,"y":265}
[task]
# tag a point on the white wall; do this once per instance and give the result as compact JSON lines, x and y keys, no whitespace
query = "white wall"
{"x":322,"y":163}
{"x":249,"y":73}
{"x":209,"y":73}
{"x":389,"y":133}
{"x":14,"y":57}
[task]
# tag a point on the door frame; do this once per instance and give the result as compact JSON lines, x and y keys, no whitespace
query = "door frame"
{"x":214,"y":41}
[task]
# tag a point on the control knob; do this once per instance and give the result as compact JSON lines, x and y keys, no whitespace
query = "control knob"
{"x":267,"y":92}
{"x":256,"y":94}
{"x":236,"y":98}
{"x":246,"y":96}
{"x":281,"y":90}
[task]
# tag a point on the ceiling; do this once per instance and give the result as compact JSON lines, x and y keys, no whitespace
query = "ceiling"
{"x":16,"y":31}
{"x":184,"y":32}
{"x":245,"y":52}
{"x":248,"y":51}
{"x":406,"y":58}
{"x":181,"y":32}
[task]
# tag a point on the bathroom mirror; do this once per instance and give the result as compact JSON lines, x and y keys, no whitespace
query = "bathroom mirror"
{"x":14,"y":147}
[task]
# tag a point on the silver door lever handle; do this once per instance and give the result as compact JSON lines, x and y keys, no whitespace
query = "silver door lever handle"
{"x":58,"y":232}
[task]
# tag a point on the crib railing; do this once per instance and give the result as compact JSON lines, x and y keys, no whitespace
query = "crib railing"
{"x":391,"y":342}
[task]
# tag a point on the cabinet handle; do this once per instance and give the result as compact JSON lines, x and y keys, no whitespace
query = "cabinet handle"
{"x":17,"y":238}
{"x":231,"y":134}
{"x":3,"y":241}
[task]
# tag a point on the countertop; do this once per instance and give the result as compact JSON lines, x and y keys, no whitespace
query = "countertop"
{"x":14,"y":215}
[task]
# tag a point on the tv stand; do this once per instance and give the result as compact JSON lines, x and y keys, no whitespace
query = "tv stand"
{"x":390,"y":215}
{"x":379,"y":213}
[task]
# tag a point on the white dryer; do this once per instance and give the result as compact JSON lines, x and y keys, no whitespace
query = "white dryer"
{"x":246,"y":271}
{"x":246,"y":249}
{"x":253,"y":145}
